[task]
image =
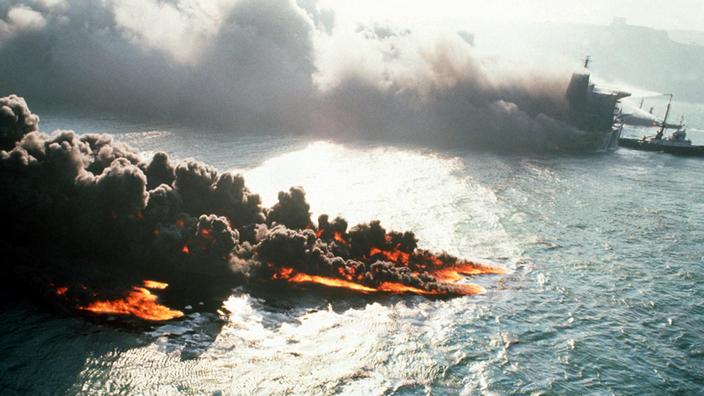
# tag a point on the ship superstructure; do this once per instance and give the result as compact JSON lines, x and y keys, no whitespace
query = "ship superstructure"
{"x":593,"y":110}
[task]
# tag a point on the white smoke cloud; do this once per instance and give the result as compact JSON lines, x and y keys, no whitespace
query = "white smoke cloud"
{"x":435,"y":87}
{"x":52,"y":4}
{"x":182,"y":30}
{"x":20,"y":19}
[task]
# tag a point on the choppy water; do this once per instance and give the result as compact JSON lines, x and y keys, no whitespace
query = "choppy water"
{"x":606,"y":294}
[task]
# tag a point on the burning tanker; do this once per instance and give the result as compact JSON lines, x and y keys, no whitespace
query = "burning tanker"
{"x":87,"y":222}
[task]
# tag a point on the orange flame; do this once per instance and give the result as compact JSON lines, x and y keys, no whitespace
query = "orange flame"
{"x":185,"y":249}
{"x":393,"y":256}
{"x":470,"y":289}
{"x":455,"y":272}
{"x":349,"y":273}
{"x":385,"y":287}
{"x":150,"y":284}
{"x":339,"y":238}
{"x":284,"y":273}
{"x":331,"y":282}
{"x":139,"y":302}
{"x":400,"y":288}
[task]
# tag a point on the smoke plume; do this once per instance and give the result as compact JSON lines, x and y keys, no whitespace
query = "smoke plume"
{"x":276,"y":66}
{"x":86,"y":219}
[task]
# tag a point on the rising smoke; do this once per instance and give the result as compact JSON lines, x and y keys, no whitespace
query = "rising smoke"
{"x":275,"y":66}
{"x":84,"y":216}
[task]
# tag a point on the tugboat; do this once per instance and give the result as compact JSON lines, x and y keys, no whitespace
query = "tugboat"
{"x":677,"y":143}
{"x":593,"y":110}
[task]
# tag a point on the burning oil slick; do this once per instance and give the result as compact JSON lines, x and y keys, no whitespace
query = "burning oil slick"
{"x":91,"y":227}
{"x":138,"y":302}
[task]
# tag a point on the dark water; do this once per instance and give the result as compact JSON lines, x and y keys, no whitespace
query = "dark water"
{"x":606,"y":294}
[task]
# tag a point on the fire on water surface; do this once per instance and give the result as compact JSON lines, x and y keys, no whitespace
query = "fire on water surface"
{"x":444,"y":272}
{"x":104,"y":208}
{"x":449,"y":275}
{"x":387,"y":287}
{"x":139,"y":302}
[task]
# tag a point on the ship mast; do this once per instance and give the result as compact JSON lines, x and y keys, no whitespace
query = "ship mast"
{"x":664,"y":120}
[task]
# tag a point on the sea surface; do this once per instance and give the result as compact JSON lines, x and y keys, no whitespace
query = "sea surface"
{"x":605,"y":294}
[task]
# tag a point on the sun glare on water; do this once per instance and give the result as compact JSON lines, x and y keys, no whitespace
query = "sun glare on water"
{"x":404,"y":189}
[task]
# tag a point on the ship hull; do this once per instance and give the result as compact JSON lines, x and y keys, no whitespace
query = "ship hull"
{"x":646,"y":145}
{"x":600,"y":141}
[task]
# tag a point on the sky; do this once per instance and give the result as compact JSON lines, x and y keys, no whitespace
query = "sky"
{"x":668,"y":15}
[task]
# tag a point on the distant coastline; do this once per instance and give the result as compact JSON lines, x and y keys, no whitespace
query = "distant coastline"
{"x":652,"y":59}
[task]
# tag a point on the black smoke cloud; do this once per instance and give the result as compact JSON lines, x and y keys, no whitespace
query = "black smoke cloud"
{"x":83,"y":212}
{"x":274,"y":66}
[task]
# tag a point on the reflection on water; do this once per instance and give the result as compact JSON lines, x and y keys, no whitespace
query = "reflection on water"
{"x":362,"y":350}
{"x":407,"y":190}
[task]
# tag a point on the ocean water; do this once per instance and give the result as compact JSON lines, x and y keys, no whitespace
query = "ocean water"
{"x":605,"y":293}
